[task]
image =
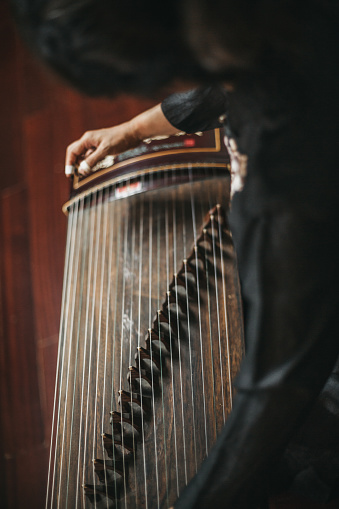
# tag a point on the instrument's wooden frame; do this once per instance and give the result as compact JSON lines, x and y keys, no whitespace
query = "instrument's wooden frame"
{"x":209,"y":149}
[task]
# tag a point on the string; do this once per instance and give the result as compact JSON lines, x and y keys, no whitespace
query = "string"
{"x":170,"y":337}
{"x":160,"y":348}
{"x":126,"y":220}
{"x":97,"y":338}
{"x":61,"y":350}
{"x":77,"y":240}
{"x":189,"y":338}
{"x":226,"y":316}
{"x":64,"y":345}
{"x":150,"y":266}
{"x":115,"y":321}
{"x":108,"y":297}
{"x":141,"y":233}
{"x":90,"y":399}
{"x":210,"y":205}
{"x":223,"y":276}
{"x":89,"y":327}
{"x":175,"y":199}
{"x":199,"y":307}
{"x":101,"y":200}
{"x":69,"y":352}
{"x":130,"y":339}
{"x":86,"y":219}
{"x":210,"y":334}
{"x":218,"y":317}
{"x":219,"y":234}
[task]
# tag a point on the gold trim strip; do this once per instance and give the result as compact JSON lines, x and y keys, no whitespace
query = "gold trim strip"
{"x":79,"y":183}
{"x":116,"y":180}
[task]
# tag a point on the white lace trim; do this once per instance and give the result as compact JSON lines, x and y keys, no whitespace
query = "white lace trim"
{"x":238,"y":166}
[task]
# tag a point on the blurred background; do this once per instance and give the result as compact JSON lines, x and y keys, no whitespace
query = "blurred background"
{"x":40,"y":116}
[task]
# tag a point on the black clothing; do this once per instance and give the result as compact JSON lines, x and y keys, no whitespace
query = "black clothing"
{"x":284,"y":225}
{"x":196,"y":110}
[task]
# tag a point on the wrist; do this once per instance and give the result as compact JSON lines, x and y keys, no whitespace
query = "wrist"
{"x":151,"y":123}
{"x":136,"y":129}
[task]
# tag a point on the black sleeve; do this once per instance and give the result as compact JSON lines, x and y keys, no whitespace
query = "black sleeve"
{"x":201,"y":109}
{"x":291,"y":348}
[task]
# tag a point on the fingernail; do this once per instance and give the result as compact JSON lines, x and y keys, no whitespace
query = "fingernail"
{"x":84,"y":166}
{"x":69,"y":169}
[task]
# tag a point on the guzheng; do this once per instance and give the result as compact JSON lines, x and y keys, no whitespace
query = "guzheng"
{"x":151,"y":330}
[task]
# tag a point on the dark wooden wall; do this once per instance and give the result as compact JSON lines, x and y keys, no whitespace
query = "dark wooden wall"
{"x":39,"y":118}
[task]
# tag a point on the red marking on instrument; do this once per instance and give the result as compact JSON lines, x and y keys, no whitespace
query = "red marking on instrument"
{"x":127,"y":190}
{"x":189,"y":142}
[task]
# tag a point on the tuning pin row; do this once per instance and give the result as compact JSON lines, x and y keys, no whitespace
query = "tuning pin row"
{"x":136,"y":376}
{"x":97,"y":493}
{"x":130,"y":400}
{"x":114,"y":469}
{"x":119,"y":418}
{"x":110,"y":472}
{"x":216,"y":214}
{"x":115,"y":466}
{"x":148,"y":356}
{"x":123,"y":440}
{"x":164,"y":331}
{"x":176,"y":297}
{"x":155,"y":336}
{"x":215,"y":224}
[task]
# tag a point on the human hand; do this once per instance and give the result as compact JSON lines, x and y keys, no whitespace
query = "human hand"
{"x":93,"y":146}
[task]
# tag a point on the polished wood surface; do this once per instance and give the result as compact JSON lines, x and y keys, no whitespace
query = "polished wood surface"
{"x":39,"y":117}
{"x":154,"y":270}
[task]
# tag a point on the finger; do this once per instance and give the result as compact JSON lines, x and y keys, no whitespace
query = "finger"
{"x":90,"y":161}
{"x":84,"y":168}
{"x":69,"y":170}
{"x":80,"y":148}
{"x":89,"y":152}
{"x":72,"y":153}
{"x":75,"y":150}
